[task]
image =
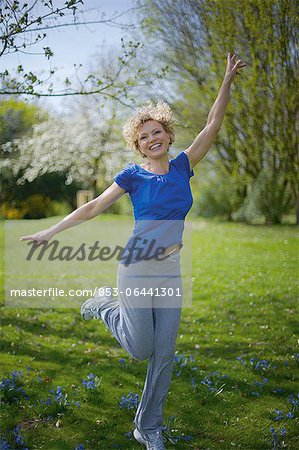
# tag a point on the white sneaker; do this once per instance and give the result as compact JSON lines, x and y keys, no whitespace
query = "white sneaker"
{"x":152,"y":441}
{"x":91,"y":307}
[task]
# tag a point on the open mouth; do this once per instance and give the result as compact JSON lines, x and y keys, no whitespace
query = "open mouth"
{"x":155,"y":146}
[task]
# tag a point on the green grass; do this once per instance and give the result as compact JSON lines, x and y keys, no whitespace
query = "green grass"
{"x":244,"y":305}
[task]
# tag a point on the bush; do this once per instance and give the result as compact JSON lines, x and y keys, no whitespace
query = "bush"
{"x":57,"y":208}
{"x":266,"y":196}
{"x":7,"y":211}
{"x":219,"y":195}
{"x":34,"y":207}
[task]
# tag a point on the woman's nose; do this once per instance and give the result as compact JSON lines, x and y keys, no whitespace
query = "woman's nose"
{"x":152,"y":139}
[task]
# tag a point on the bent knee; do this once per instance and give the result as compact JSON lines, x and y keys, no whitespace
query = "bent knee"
{"x":141,"y":354}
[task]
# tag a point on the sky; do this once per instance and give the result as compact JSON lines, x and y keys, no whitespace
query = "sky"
{"x":75,"y":44}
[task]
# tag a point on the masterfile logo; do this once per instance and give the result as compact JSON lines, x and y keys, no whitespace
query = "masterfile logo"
{"x":88,"y":256}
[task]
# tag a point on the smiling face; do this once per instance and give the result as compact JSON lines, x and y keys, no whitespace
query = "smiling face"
{"x":153,"y":140}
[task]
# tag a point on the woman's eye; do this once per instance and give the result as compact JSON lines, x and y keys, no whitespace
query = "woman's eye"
{"x":143,"y":137}
{"x":158,"y":131}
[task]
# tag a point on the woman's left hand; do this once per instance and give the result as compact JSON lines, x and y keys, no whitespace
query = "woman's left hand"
{"x":232,"y":67}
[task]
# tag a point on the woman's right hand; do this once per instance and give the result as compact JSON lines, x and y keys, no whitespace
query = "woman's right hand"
{"x":40,"y":237}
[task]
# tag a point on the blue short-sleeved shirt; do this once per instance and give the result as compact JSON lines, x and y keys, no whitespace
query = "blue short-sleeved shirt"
{"x":165,"y":199}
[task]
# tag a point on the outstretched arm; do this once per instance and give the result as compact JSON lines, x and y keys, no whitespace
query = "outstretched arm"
{"x":85,"y":212}
{"x":206,"y":137}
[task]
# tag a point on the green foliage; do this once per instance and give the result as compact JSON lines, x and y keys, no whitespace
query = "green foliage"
{"x":58,"y":208}
{"x":16,"y":121}
{"x":266,"y":196}
{"x":216,"y":201}
{"x":260,"y":128}
{"x":218,"y":194}
{"x":35,"y":199}
{"x":235,"y":198}
{"x":17,"y":118}
{"x":34,"y":207}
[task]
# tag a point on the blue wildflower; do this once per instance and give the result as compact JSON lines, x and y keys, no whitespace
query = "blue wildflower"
{"x":92,"y":383}
{"x":255,"y":394}
{"x":89,"y":384}
{"x":176,"y":358}
{"x":17,"y":375}
{"x":79,"y":447}
{"x":130,"y":401}
{"x":168,"y":432}
{"x":182,"y":360}
{"x":294,"y":401}
{"x":59,"y":394}
{"x":56,"y":398}
{"x":239,"y":358}
{"x":19,"y":440}
{"x":129,"y":435}
{"x":263,"y":364}
{"x":279,"y":414}
{"x":209,"y":384}
{"x":276,"y":438}
{"x":49,"y":401}
{"x":290,"y":415}
{"x":78,"y":404}
{"x":10,"y":387}
{"x":4,"y":445}
{"x":187,"y":438}
{"x":260,"y":365}
{"x":278,"y":391}
{"x":261,"y":383}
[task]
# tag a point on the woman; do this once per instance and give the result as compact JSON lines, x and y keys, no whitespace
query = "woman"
{"x":147,"y":326}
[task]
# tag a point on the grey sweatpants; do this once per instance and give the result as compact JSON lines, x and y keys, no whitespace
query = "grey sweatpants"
{"x":146,"y":325}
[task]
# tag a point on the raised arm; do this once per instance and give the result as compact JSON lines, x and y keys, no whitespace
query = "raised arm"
{"x":206,"y":137}
{"x":85,"y":212}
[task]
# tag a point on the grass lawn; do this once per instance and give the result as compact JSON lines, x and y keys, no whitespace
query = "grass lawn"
{"x":235,"y":377}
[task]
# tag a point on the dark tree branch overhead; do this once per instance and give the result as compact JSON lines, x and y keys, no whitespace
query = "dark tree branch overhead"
{"x":18,"y":18}
{"x":110,"y":21}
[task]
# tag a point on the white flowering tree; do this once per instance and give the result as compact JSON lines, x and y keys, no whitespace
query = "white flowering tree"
{"x":86,"y":151}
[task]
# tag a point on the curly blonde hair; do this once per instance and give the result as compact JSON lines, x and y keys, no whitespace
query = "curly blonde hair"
{"x":162,"y":113}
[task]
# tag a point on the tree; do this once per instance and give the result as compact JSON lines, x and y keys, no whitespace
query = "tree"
{"x":16,"y":120}
{"x":85,"y":151}
{"x":23,"y":26}
{"x":259,"y":132}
